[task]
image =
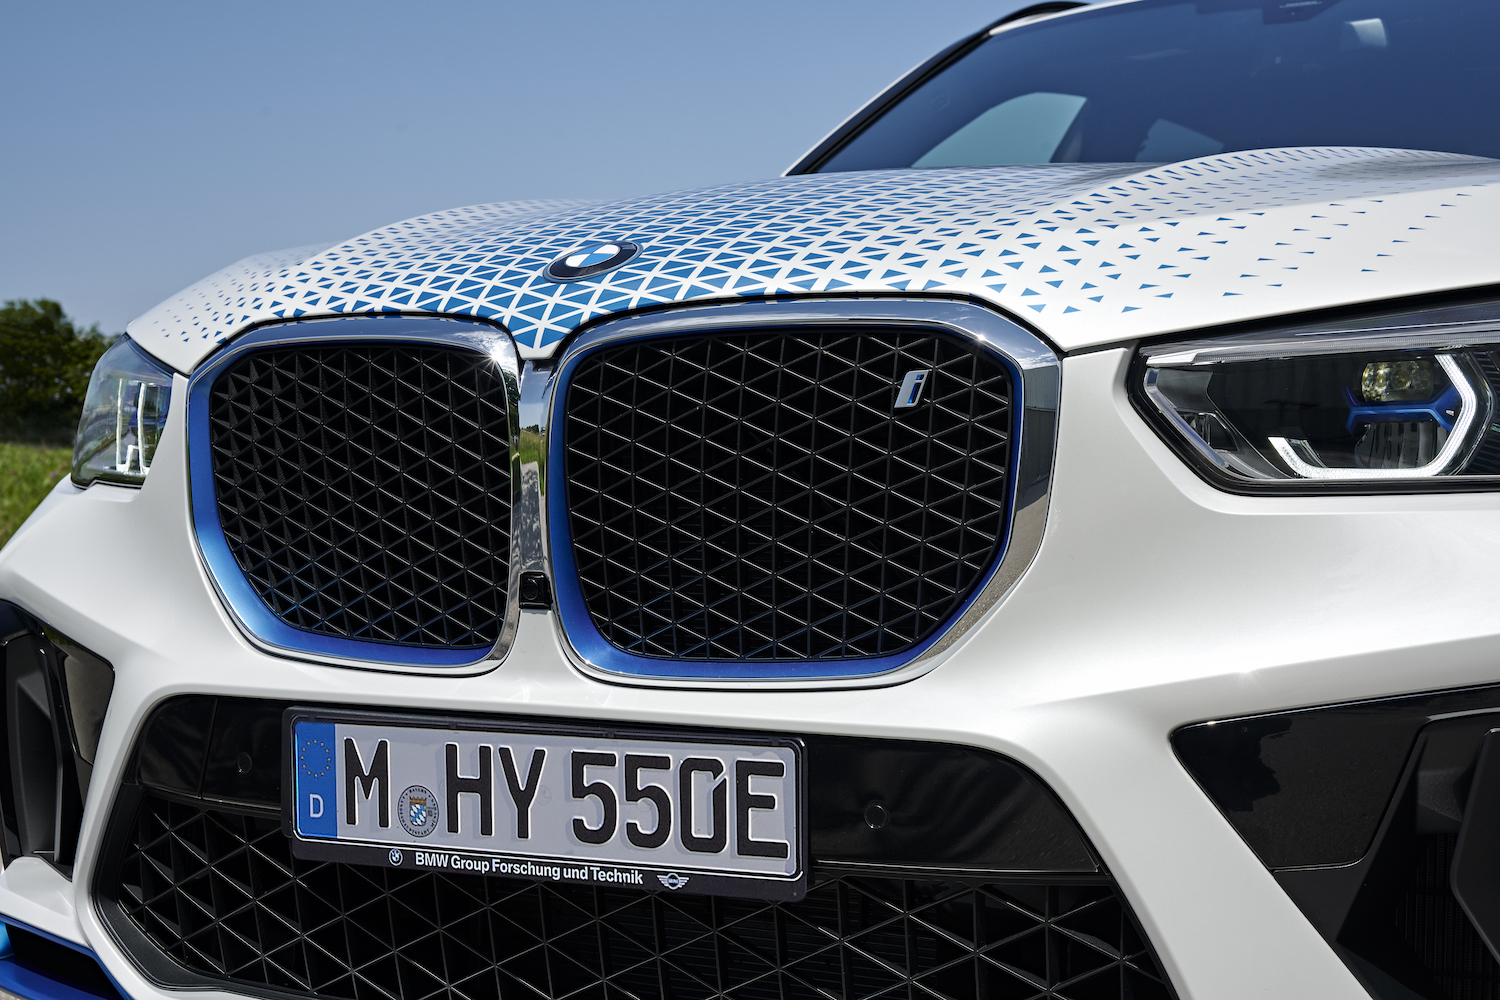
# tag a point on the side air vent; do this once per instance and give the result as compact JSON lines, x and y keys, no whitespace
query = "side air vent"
{"x":809,"y":495}
{"x":1399,"y":869}
{"x":54,"y":695}
{"x":361,"y":492}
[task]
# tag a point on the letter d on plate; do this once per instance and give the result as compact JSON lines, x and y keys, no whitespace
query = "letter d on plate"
{"x":317,"y":779}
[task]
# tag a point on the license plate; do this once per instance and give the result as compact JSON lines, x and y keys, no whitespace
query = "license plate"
{"x":662,"y":811}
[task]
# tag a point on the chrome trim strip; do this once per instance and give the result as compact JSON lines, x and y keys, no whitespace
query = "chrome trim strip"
{"x":1317,"y":341}
{"x":536,"y":392}
{"x":1039,"y":392}
{"x":249,"y":612}
{"x":1168,"y":411}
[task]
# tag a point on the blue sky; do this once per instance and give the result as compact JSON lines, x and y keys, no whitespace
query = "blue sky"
{"x":149,"y":144}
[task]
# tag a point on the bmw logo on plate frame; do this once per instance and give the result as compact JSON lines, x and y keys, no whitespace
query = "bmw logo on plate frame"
{"x":592,"y":259}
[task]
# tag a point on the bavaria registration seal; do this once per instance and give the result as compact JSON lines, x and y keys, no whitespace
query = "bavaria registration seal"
{"x":417,"y":809}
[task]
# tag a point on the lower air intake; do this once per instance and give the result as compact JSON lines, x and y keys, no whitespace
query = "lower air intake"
{"x":1433,"y":924}
{"x":221,"y":895}
{"x":793,"y":495}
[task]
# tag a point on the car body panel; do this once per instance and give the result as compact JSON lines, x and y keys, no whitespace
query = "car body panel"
{"x":1087,"y":254}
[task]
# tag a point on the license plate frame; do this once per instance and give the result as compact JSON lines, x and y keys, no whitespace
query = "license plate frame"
{"x":556,"y":855}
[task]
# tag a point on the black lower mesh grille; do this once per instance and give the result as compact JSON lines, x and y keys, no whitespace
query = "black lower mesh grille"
{"x":761,"y":496}
{"x":365,"y":490}
{"x":1433,"y":924}
{"x":221,"y":894}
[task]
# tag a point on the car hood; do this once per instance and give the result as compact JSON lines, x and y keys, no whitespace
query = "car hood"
{"x":1087,"y":254}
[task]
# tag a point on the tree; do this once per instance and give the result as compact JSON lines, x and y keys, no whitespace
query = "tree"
{"x":45,"y":361}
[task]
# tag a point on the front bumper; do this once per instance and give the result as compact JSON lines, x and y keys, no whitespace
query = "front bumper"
{"x":1154,"y":601}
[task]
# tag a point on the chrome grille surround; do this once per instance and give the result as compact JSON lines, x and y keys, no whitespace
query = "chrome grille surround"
{"x":1035,"y":370}
{"x":349,"y":639}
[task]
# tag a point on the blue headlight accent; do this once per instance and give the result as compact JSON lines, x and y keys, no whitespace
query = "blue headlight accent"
{"x":594,"y":648}
{"x":1441,"y":411}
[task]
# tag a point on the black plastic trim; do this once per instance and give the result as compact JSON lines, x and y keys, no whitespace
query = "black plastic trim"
{"x":1381,"y":821}
{"x":536,"y":592}
{"x":54,"y":695}
{"x":1476,"y":857}
{"x":999,"y":815}
{"x":1042,"y":960}
{"x":1309,"y":787}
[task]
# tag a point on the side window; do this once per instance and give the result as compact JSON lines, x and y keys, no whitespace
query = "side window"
{"x":1024,"y":129}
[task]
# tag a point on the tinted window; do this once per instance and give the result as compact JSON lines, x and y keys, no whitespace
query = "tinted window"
{"x":1159,"y":81}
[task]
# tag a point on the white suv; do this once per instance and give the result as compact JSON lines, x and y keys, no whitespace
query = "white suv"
{"x":1042,"y":546}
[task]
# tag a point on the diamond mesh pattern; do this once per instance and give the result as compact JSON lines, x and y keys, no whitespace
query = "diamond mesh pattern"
{"x":759,"y":497}
{"x":365,"y":490}
{"x":222,"y":895}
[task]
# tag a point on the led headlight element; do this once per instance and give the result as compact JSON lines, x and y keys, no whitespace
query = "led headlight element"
{"x":123,"y":416}
{"x":1392,"y":381}
{"x":1404,"y":400}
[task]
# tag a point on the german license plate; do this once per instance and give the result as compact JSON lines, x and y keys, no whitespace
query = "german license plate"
{"x":663,"y":811}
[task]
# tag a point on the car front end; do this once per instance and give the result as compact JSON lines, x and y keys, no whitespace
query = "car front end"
{"x":940,"y":579}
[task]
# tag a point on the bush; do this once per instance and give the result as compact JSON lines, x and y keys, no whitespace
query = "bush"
{"x":45,"y":361}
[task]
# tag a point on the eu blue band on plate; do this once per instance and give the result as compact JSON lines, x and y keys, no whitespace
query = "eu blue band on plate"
{"x":317,"y":779}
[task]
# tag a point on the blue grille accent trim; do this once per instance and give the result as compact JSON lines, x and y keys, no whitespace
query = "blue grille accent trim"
{"x":254,"y":616}
{"x":32,"y":985}
{"x":597,"y":651}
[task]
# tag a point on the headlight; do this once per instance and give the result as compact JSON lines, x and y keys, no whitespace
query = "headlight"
{"x":1406,"y":402}
{"x":123,"y":417}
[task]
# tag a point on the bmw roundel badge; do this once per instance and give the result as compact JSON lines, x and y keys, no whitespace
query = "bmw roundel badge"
{"x":591,"y":259}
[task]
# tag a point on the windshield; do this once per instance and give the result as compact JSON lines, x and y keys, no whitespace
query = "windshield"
{"x":1158,"y":81}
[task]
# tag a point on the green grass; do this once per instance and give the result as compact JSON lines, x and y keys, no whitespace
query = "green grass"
{"x":27,"y":473}
{"x":531,"y":445}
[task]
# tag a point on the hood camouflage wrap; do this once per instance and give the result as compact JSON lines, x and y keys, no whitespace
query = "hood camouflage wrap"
{"x":1087,"y":254}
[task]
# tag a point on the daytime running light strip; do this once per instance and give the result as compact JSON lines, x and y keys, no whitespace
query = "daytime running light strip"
{"x":1468,"y":406}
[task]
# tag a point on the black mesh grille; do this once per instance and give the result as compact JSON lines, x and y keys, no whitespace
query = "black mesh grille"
{"x":365,"y":489}
{"x":1431,"y":921}
{"x":760,"y":497}
{"x":222,"y":895}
